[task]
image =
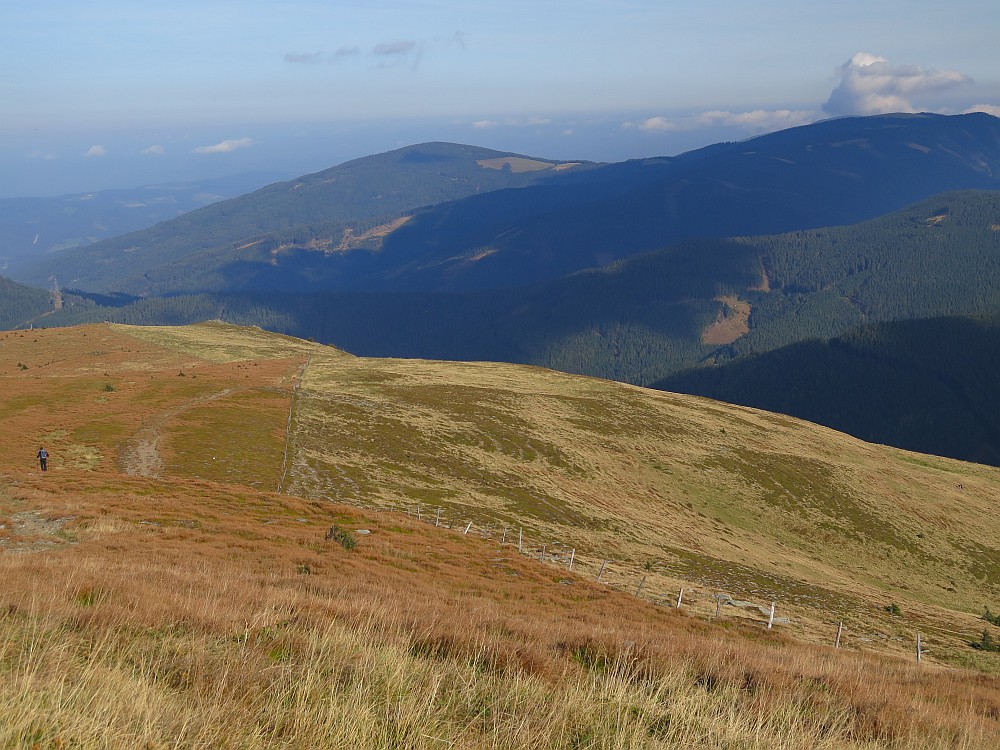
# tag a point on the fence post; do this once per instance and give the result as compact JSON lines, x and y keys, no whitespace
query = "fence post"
{"x":770,"y":620}
{"x":437,"y":517}
{"x":680,"y":597}
{"x":543,"y":554}
{"x":571,"y":556}
{"x":467,"y":528}
{"x":418,"y":511}
{"x":520,"y":535}
{"x":919,"y":649}
{"x":503,"y":539}
{"x":638,"y":589}
{"x":840,"y":629}
{"x":718,"y":606}
{"x":601,"y":573}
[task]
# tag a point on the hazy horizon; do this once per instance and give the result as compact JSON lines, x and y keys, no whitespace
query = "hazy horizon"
{"x":112,"y":94}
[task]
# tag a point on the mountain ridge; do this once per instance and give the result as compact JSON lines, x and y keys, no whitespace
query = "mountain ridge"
{"x":548,"y":224}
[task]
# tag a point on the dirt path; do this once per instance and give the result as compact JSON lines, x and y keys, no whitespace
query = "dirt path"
{"x":288,"y":427}
{"x":139,"y":456}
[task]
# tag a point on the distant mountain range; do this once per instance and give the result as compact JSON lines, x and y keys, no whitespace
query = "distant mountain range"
{"x":283,"y":235}
{"x":436,"y":217}
{"x":657,"y":271}
{"x":30,"y":228}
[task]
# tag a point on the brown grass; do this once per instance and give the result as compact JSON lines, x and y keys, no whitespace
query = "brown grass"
{"x":731,"y":322}
{"x":193,"y":614}
{"x":193,"y":609}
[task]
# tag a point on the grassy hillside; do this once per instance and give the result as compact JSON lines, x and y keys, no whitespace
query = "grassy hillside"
{"x":159,"y":591}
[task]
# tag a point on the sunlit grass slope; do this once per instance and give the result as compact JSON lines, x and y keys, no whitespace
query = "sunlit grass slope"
{"x":678,"y":489}
{"x":158,"y":592}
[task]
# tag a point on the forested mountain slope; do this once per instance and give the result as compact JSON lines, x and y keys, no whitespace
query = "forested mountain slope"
{"x":22,"y":306}
{"x":644,"y":318}
{"x":829,"y":173}
{"x":327,"y":213}
{"x":924,"y":385}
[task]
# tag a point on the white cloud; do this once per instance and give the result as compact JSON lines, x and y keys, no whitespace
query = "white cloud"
{"x":156,"y":150}
{"x":757,"y":121}
{"x":45,"y":155}
{"x":224,"y":147}
{"x":513,"y":122}
{"x":96,"y":151}
{"x":869,"y":85}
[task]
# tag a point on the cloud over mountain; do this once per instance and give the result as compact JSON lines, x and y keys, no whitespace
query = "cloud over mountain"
{"x":870,"y":85}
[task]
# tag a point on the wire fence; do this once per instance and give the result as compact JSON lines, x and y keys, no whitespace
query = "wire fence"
{"x":648,"y":582}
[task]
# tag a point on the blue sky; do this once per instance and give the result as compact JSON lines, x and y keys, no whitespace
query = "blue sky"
{"x":106,"y":93}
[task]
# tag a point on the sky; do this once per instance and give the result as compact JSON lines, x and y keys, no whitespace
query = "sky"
{"x":113,"y":94}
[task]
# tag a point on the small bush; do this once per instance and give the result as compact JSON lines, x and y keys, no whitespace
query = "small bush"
{"x":343,"y":537}
{"x":894,"y":610}
{"x":986,"y":643}
{"x":109,"y":388}
{"x":991,"y":618}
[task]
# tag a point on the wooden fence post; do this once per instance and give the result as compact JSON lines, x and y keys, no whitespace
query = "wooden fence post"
{"x":437,"y":518}
{"x":638,"y":589}
{"x":680,"y":597}
{"x":520,"y":535}
{"x":920,"y":654}
{"x":503,"y":539}
{"x":601,"y":573}
{"x":543,"y":554}
{"x":467,"y":528}
{"x":770,"y":620}
{"x":572,"y":555}
{"x":840,"y":629}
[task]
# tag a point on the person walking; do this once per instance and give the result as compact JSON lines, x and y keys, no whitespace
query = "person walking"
{"x":43,"y":459}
